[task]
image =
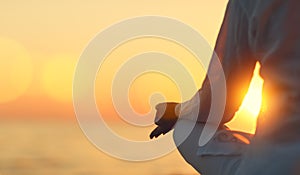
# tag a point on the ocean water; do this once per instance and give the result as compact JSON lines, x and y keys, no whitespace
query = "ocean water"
{"x":60,"y":148}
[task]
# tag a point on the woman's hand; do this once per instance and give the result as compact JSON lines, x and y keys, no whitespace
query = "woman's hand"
{"x":165,"y":119}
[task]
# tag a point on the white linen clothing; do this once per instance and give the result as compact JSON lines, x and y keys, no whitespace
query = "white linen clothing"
{"x":268,"y":32}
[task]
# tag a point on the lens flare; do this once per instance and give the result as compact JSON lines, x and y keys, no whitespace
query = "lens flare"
{"x":16,"y":70}
{"x":57,"y":77}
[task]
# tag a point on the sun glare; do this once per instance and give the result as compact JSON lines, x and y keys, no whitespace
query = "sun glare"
{"x":16,"y":70}
{"x":253,"y":99}
{"x":245,"y":118}
{"x":57,"y":77}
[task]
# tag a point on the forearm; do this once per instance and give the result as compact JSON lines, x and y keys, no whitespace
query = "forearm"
{"x":237,"y":64}
{"x":189,"y":110}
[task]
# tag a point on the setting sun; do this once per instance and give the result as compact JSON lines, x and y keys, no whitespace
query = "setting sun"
{"x":245,"y":118}
{"x":57,"y":77}
{"x":252,"y":101}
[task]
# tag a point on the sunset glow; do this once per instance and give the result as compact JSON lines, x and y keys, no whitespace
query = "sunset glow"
{"x":245,"y":118}
{"x":57,"y":77}
{"x":80,"y":84}
{"x":16,"y":70}
{"x":253,"y":99}
{"x":39,"y":51}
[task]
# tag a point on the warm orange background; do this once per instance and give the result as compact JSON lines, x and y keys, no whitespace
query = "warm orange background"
{"x":41,"y":42}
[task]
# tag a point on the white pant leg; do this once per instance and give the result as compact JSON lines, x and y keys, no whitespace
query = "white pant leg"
{"x":271,"y":158}
{"x":218,"y":157}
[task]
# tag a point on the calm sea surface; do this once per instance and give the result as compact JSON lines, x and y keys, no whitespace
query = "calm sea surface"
{"x":60,"y":148}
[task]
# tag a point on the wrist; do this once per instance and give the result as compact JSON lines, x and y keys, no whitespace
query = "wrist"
{"x":177,"y":109}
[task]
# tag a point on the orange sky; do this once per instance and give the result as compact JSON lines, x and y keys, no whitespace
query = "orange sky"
{"x":41,"y":41}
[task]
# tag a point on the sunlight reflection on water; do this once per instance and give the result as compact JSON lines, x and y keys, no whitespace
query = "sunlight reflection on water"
{"x":61,"y":148}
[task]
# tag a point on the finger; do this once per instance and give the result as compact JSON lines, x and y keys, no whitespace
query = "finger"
{"x":156,"y":132}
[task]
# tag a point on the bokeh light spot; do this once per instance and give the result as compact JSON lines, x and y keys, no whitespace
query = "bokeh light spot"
{"x":57,"y":77}
{"x":16,"y":70}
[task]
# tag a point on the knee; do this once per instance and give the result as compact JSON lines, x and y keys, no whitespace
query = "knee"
{"x":186,"y":135}
{"x":214,"y":158}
